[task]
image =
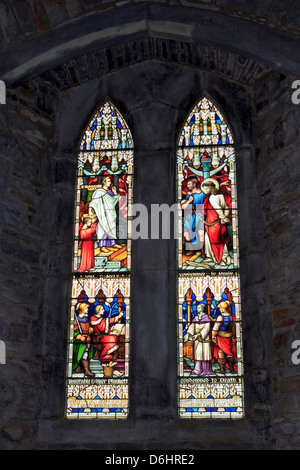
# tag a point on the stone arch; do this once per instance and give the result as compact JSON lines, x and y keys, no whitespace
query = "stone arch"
{"x":156,"y":21}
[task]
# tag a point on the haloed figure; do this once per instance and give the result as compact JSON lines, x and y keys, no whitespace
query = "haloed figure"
{"x":217,"y":215}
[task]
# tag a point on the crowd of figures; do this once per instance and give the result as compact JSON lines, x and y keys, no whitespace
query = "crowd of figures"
{"x":213,"y":337}
{"x":99,"y":331}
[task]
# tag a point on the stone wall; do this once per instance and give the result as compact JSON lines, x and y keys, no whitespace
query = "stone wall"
{"x":277,"y":130}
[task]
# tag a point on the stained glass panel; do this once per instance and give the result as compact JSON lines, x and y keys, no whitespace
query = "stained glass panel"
{"x":209,"y":313}
{"x":98,"y":351}
{"x":104,"y":198}
{"x":206,"y":188}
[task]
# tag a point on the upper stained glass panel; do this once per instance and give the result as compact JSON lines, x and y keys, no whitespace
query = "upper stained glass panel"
{"x":104,"y":195}
{"x":206,"y":191}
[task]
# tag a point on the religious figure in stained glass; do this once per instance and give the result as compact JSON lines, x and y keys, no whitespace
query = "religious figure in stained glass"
{"x":83,"y":349}
{"x":98,"y":355}
{"x":194,"y":222}
{"x":209,"y":314}
{"x":87,"y":230}
{"x":199,"y":332}
{"x":217,"y":214}
{"x":103,"y":208}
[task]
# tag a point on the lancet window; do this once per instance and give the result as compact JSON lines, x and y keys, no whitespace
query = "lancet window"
{"x":210,"y":366}
{"x":99,"y":319}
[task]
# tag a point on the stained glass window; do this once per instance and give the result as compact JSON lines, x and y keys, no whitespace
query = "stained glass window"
{"x":98,"y":350}
{"x":210,"y":366}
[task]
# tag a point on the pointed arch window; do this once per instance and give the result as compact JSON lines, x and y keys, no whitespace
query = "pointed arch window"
{"x":210,"y":368}
{"x":99,"y":321}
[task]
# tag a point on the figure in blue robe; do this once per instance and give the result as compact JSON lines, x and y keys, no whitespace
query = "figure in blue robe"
{"x":192,"y":224}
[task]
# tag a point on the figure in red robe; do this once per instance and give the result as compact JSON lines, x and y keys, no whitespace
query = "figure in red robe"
{"x":223,"y":334}
{"x":87,"y":229}
{"x":109,"y":333}
{"x":216,"y":209}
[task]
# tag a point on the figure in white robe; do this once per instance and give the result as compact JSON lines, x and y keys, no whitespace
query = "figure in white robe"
{"x":103,"y":204}
{"x":199,"y":332}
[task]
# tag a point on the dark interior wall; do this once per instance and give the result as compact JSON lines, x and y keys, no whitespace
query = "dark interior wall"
{"x":277,"y":167}
{"x":41,"y":126}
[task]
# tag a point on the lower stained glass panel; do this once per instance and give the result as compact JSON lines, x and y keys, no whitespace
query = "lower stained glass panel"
{"x":98,"y":353}
{"x":210,"y":346}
